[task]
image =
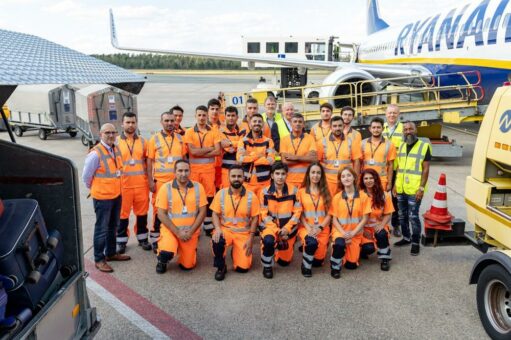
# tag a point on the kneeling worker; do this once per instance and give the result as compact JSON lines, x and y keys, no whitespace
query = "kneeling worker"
{"x":280,"y":214}
{"x":182,"y":206}
{"x":235,"y":217}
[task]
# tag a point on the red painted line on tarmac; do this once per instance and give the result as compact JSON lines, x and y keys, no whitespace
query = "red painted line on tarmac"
{"x":157,"y":317}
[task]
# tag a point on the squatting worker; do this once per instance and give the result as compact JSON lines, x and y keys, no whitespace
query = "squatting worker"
{"x":270,"y":114}
{"x":203,"y":143}
{"x":235,"y":217}
{"x":280,"y":214}
{"x":412,"y":174}
{"x":233,"y":134}
{"x":256,"y":155}
{"x":376,"y":231}
{"x":178,"y":116}
{"x":163,"y":150}
{"x":102,"y":175}
{"x":252,"y":108}
{"x":134,"y":183}
{"x":347,"y":115}
{"x":282,"y":128}
{"x":322,"y":129}
{"x":350,"y":211}
{"x":393,"y":131}
{"x":379,"y":153}
{"x":336,"y":152}
{"x":314,"y":230}
{"x":182,"y":206}
{"x":298,"y":150}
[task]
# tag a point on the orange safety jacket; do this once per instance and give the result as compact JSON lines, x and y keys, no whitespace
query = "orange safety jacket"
{"x":300,"y":146}
{"x":313,"y":207}
{"x":134,"y":168}
{"x":167,"y":153}
{"x":229,"y":153}
{"x":240,"y":221}
{"x":335,"y":156}
{"x":182,"y":215}
{"x":373,"y":159}
{"x":281,"y":211}
{"x":256,"y":166}
{"x":106,"y":183}
{"x":318,"y":132}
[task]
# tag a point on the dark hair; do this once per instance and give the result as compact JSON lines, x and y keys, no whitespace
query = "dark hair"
{"x":165,"y":113}
{"x":377,"y":120}
{"x":327,"y":105}
{"x":176,"y":108}
{"x":348,"y":108}
{"x":231,"y":109}
{"x":213,"y":102}
{"x":235,"y":167}
{"x":336,"y":119}
{"x":323,"y":186}
{"x":298,"y":115}
{"x":355,"y":177}
{"x":129,"y":115}
{"x":201,"y":108}
{"x":179,"y":161}
{"x":252,"y":101}
{"x":256,"y":115}
{"x":279,"y":166}
{"x":378,"y":195}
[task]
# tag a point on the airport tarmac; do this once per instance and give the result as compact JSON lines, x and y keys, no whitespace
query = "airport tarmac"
{"x":424,"y":297}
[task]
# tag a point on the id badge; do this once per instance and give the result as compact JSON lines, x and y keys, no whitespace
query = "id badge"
{"x":118,"y":173}
{"x":132,"y":161}
{"x":407,"y":180}
{"x":185,"y":210}
{"x":169,"y":159}
{"x":337,"y":163}
{"x":371,"y":162}
{"x":316,"y":220}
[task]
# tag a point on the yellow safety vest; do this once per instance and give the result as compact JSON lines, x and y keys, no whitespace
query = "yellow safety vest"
{"x":283,"y":132}
{"x":409,"y":172}
{"x":276,"y":116}
{"x":396,"y":136}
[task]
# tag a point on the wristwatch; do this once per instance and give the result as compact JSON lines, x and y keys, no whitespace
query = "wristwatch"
{"x":421,"y":188}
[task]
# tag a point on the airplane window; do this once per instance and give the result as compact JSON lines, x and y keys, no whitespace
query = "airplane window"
{"x":272,"y":47}
{"x":291,"y":47}
{"x":253,"y":47}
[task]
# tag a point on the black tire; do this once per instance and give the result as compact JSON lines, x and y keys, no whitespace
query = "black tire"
{"x":85,"y":141}
{"x":43,"y":134}
{"x":494,"y":301}
{"x":34,"y":277}
{"x":18,"y":131}
{"x":73,"y":134}
{"x":313,"y":95}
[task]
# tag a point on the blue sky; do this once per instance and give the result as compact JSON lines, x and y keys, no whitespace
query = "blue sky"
{"x":198,"y":24}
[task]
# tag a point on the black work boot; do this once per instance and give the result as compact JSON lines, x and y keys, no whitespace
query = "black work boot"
{"x":161,"y":267}
{"x":306,"y":272}
{"x":335,"y":273}
{"x":145,"y":245}
{"x":121,"y":248}
{"x":385,"y":265}
{"x":402,"y":243}
{"x":220,"y":273}
{"x":268,"y":272}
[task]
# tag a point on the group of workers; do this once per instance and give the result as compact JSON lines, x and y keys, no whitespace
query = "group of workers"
{"x":261,"y":175}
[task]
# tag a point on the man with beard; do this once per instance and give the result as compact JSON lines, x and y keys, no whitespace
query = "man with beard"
{"x":413,"y":160}
{"x":233,"y":134}
{"x":235,"y":217}
{"x":178,"y":115}
{"x":347,"y":114}
{"x":322,"y":129}
{"x":336,"y":152}
{"x":379,"y":153}
{"x":134,"y":184}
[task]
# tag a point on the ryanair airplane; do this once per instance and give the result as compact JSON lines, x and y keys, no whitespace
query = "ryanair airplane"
{"x":471,"y":37}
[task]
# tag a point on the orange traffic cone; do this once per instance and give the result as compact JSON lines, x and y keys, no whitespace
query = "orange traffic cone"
{"x":438,"y":216}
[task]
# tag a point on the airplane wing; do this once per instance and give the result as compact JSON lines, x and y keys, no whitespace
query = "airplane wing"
{"x":377,"y":70}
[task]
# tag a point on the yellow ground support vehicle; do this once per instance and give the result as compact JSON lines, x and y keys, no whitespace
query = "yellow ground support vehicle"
{"x":488,"y":201}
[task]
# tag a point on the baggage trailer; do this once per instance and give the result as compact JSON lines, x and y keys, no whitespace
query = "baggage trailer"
{"x":100,"y":104}
{"x":47,"y":108}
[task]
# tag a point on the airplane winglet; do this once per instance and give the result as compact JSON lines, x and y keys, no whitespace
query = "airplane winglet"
{"x":113,"y":32}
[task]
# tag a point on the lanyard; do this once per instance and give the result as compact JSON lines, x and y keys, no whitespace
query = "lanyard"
{"x":392,"y":133}
{"x":337,"y":149}
{"x":130,"y":149}
{"x":235,"y":207}
{"x":114,"y":158}
{"x":183,"y":199}
{"x":316,"y":207}
{"x":201,"y":141}
{"x":171,"y":143}
{"x":298,"y":147}
{"x":350,"y":209}
{"x":323,"y":132}
{"x":374,"y":151}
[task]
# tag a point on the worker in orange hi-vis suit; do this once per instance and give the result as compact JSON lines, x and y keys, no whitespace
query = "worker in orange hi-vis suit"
{"x":235,"y":216}
{"x":336,"y":152}
{"x":251,"y":108}
{"x":280,"y":214}
{"x":178,"y":115}
{"x":214,"y":107}
{"x":134,"y":184}
{"x":314,"y":229}
{"x":163,"y":150}
{"x":297,"y":150}
{"x":347,"y":115}
{"x":231,"y":132}
{"x":182,"y":206}
{"x":379,"y":153}
{"x":203,"y":144}
{"x":350,"y":211}
{"x":256,"y":155}
{"x":322,"y":129}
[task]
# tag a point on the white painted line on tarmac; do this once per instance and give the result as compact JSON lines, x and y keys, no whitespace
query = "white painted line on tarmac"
{"x":135,"y":318}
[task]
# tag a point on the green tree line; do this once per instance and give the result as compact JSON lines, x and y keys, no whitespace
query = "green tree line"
{"x":157,"y":61}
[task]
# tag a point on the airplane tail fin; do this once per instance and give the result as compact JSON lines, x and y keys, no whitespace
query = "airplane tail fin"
{"x":374,"y":22}
{"x":113,"y":33}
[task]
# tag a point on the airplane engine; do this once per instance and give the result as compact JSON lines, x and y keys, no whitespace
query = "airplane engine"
{"x":350,"y":86}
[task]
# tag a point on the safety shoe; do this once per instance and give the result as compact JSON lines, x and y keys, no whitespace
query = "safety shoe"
{"x":397,"y":232}
{"x":161,"y":267}
{"x":155,"y":247}
{"x":402,"y":243}
{"x":118,"y":257}
{"x":220,"y":273}
{"x":415,"y":249}
{"x":268,"y":272}
{"x":121,"y":248}
{"x":335,"y":273}
{"x":145,"y":245}
{"x":306,"y":272}
{"x":385,"y":265}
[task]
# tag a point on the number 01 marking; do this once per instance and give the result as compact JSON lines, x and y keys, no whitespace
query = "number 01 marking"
{"x":237,"y":100}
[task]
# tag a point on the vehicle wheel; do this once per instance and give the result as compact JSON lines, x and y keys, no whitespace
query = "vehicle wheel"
{"x":43,"y":134}
{"x":85,"y":141}
{"x":494,"y":301}
{"x":18,"y":131}
{"x":34,"y":276}
{"x":73,"y":134}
